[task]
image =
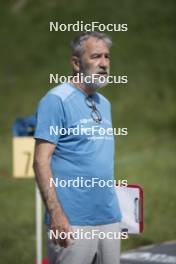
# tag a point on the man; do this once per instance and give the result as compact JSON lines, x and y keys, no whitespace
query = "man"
{"x":87,"y":156}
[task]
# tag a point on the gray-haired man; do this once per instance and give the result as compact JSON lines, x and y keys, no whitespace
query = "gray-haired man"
{"x":86,"y":215}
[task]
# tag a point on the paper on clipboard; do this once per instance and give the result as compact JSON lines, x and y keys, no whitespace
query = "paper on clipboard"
{"x":131,"y":205}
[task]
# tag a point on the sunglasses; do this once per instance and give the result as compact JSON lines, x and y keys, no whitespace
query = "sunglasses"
{"x":95,"y":114}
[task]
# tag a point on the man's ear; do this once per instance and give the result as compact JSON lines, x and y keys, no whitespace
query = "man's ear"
{"x":75,"y":62}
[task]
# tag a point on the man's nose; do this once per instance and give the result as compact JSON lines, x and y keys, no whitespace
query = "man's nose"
{"x":103,"y":62}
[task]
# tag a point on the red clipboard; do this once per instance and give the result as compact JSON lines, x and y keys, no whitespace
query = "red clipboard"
{"x":131,"y":200}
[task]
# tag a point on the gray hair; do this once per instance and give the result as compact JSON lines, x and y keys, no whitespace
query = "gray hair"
{"x":77,"y":42}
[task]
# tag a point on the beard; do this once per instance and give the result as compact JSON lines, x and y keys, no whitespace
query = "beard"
{"x":94,"y":80}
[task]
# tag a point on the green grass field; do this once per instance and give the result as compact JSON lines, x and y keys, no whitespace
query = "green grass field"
{"x":146,"y":106}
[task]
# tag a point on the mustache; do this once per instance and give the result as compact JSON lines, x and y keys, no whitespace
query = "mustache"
{"x":102,"y":71}
{"x":98,"y":70}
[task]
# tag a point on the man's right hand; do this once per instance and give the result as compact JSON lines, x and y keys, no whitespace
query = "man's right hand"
{"x":60,"y":222}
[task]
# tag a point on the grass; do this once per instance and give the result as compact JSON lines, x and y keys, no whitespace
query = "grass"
{"x":151,"y":165}
{"x":146,"y":105}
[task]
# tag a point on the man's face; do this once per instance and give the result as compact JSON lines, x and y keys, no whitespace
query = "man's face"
{"x":95,"y":61}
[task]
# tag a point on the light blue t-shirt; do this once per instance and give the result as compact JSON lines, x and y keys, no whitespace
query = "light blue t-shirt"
{"x":83,"y":160}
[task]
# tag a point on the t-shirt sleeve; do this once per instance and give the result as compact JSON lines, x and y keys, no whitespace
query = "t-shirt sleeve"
{"x":49,"y":118}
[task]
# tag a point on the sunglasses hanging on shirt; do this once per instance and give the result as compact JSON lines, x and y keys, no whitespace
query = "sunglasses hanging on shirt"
{"x":95,"y":114}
